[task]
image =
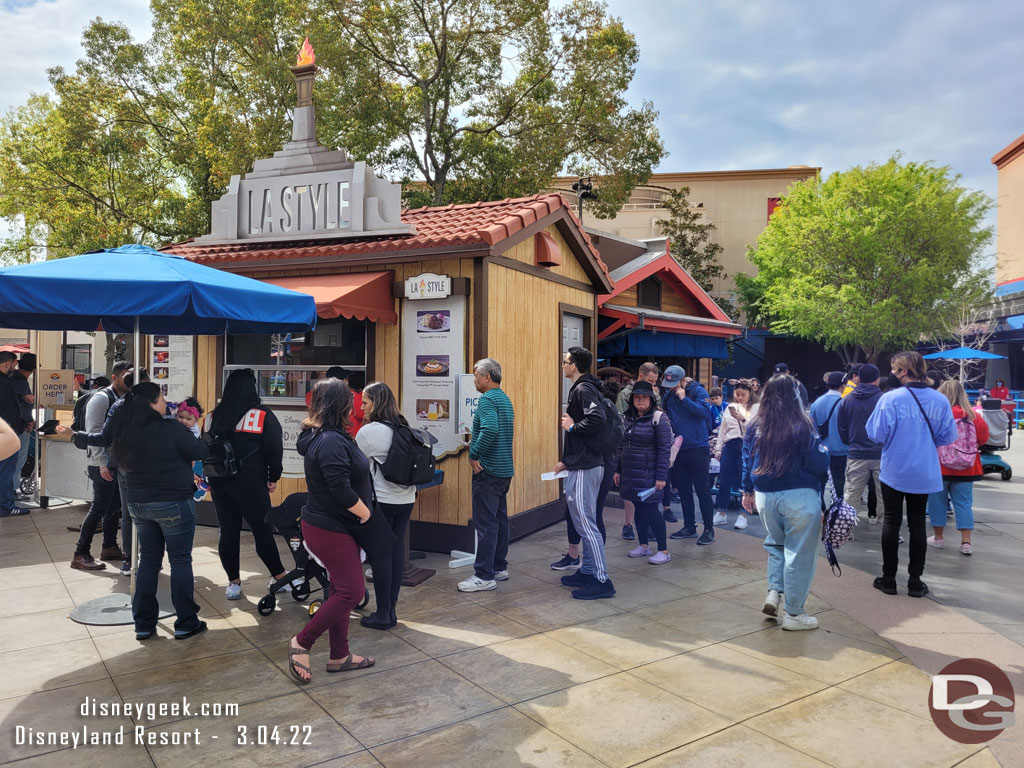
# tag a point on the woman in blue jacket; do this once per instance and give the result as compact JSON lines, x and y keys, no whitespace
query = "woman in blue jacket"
{"x":783,"y":463}
{"x":642,"y":465}
{"x":911,"y":423}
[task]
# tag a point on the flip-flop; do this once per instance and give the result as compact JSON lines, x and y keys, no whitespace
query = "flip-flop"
{"x":346,"y":665}
{"x":294,"y":666}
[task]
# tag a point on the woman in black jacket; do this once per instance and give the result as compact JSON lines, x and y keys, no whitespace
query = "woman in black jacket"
{"x":255,"y":436}
{"x":338,"y":505}
{"x":156,"y":455}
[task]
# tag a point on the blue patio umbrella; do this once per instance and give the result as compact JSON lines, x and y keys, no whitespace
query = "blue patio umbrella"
{"x":165,"y":293}
{"x":137,"y":289}
{"x":963,"y":353}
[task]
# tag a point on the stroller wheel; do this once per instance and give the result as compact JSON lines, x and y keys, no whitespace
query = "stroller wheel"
{"x":314,"y":607}
{"x":301,"y":592}
{"x":266,"y":605}
{"x":1006,"y":474}
{"x":365,"y":600}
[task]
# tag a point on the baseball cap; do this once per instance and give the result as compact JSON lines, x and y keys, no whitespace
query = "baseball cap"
{"x":673,"y":375}
{"x":869,"y":372}
{"x":643,"y":388}
{"x":781,"y":368}
{"x":834,"y":380}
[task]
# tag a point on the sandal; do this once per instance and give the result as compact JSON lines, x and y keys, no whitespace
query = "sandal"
{"x":347,"y":664}
{"x":294,"y":666}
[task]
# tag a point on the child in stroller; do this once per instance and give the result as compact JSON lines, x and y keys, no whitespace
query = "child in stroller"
{"x":286,"y":519}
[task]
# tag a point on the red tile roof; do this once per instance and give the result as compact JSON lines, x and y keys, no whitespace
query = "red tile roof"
{"x":484,"y":224}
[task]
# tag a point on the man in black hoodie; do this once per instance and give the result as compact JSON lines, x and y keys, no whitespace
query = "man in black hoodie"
{"x":864,"y":459}
{"x":583,"y":457}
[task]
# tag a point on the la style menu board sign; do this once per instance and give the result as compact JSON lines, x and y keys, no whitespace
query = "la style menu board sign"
{"x":433,"y":357}
{"x":173,"y":366}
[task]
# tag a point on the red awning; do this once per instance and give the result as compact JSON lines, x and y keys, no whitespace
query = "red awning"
{"x":359,"y":295}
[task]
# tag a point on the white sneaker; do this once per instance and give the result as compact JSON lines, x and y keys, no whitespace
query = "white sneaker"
{"x":233,"y":592}
{"x":720,"y":519}
{"x":771,"y":603}
{"x":741,"y":522}
{"x":475,"y":584}
{"x":501,"y":575}
{"x":795,"y":623}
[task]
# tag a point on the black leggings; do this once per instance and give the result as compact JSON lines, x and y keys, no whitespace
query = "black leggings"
{"x":570,"y":529}
{"x":247,"y":501}
{"x":650,"y":517}
{"x":387,"y":573}
{"x":917,"y":504}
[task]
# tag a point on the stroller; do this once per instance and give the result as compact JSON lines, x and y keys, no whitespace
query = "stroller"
{"x":999,"y":431}
{"x":286,"y":521}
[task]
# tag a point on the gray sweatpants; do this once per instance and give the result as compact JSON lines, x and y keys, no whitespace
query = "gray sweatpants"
{"x":581,"y":489}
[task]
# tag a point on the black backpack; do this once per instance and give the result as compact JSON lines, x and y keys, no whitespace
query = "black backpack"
{"x":78,"y":420}
{"x":222,"y":461}
{"x":614,"y":427}
{"x":410,"y":460}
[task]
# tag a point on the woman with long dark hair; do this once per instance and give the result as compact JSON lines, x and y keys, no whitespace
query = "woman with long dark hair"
{"x":255,"y":436}
{"x":156,"y":456}
{"x":910,"y":423}
{"x":783,"y":463}
{"x":380,"y":418}
{"x":339,"y":503}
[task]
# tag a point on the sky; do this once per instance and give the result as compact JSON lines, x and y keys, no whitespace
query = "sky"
{"x":738,"y":83}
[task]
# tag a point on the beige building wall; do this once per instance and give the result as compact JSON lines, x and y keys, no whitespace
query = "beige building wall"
{"x":736,"y":202}
{"x":1010,"y":214}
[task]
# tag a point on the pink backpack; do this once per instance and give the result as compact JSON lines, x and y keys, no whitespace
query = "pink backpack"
{"x":961,"y":454}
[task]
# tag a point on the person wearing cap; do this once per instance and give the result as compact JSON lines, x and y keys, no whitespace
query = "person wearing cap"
{"x":783,"y":368}
{"x":864,"y":455}
{"x":641,"y":469}
{"x":19,"y":378}
{"x":648,"y":372}
{"x":824,"y":415}
{"x":689,"y":408}
{"x":853,"y":380}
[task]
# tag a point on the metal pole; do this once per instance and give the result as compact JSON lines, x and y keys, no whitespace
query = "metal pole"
{"x":34,"y":346}
{"x":135,"y":530}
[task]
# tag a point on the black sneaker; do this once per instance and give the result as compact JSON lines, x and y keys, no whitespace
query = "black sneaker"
{"x":882,"y":584}
{"x":594,"y":590}
{"x":686,"y":532}
{"x":917,"y":588}
{"x":577,"y":579}
{"x":669,"y":517}
{"x":627,"y":533}
{"x":708,"y":537}
{"x":566,"y":563}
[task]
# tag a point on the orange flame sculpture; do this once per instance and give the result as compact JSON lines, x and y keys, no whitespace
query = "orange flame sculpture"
{"x":306,"y":56}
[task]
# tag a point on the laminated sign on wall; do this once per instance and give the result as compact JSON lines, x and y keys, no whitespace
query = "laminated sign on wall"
{"x":56,"y":388}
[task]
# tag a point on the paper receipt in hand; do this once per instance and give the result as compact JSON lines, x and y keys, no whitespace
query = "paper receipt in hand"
{"x":645,"y":494}
{"x":554,"y":475}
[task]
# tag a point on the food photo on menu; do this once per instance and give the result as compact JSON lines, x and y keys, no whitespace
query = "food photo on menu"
{"x":433,"y":410}
{"x":160,"y":372}
{"x":432,"y":365}
{"x":439,"y":321}
{"x":161,"y":357}
{"x":161,"y":341}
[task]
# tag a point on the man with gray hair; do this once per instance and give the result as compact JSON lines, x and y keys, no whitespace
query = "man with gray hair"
{"x":490,"y":457}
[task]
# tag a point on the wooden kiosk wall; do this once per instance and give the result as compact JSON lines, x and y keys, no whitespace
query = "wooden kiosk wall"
{"x":513,"y":315}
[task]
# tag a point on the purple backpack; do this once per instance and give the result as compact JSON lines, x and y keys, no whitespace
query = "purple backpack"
{"x":840,"y":520}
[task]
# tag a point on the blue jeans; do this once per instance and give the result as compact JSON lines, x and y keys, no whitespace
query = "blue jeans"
{"x":7,"y":469}
{"x":160,"y":523}
{"x":793,"y":520}
{"x":490,"y":519}
{"x":731,"y":467}
{"x":961,"y":493}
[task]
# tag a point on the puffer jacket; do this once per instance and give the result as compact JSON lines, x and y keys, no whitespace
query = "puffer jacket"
{"x":642,"y":458}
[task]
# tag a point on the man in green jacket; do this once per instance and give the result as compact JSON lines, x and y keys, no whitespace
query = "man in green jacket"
{"x":490,"y":457}
{"x":648,"y":372}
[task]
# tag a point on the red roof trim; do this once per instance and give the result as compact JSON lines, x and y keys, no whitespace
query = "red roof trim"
{"x":665,"y":263}
{"x":679,"y":326}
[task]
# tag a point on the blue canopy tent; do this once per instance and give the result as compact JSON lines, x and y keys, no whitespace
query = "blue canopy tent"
{"x":136,"y":289}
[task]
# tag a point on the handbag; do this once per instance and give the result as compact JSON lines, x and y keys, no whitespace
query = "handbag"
{"x":840,"y":520}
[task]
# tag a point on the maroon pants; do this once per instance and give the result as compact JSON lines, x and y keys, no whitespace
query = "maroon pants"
{"x":340,"y":555}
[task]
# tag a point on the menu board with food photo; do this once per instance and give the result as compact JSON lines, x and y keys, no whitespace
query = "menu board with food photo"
{"x":172,"y":365}
{"x":433,"y":356}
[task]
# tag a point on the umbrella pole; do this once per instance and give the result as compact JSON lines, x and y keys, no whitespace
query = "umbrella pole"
{"x":135,"y":530}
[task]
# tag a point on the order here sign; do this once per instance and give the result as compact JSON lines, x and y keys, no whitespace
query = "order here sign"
{"x":56,"y":388}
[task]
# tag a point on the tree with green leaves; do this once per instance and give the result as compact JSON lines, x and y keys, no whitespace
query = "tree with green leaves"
{"x":465,"y":99}
{"x":689,"y":237}
{"x":869,"y":258}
